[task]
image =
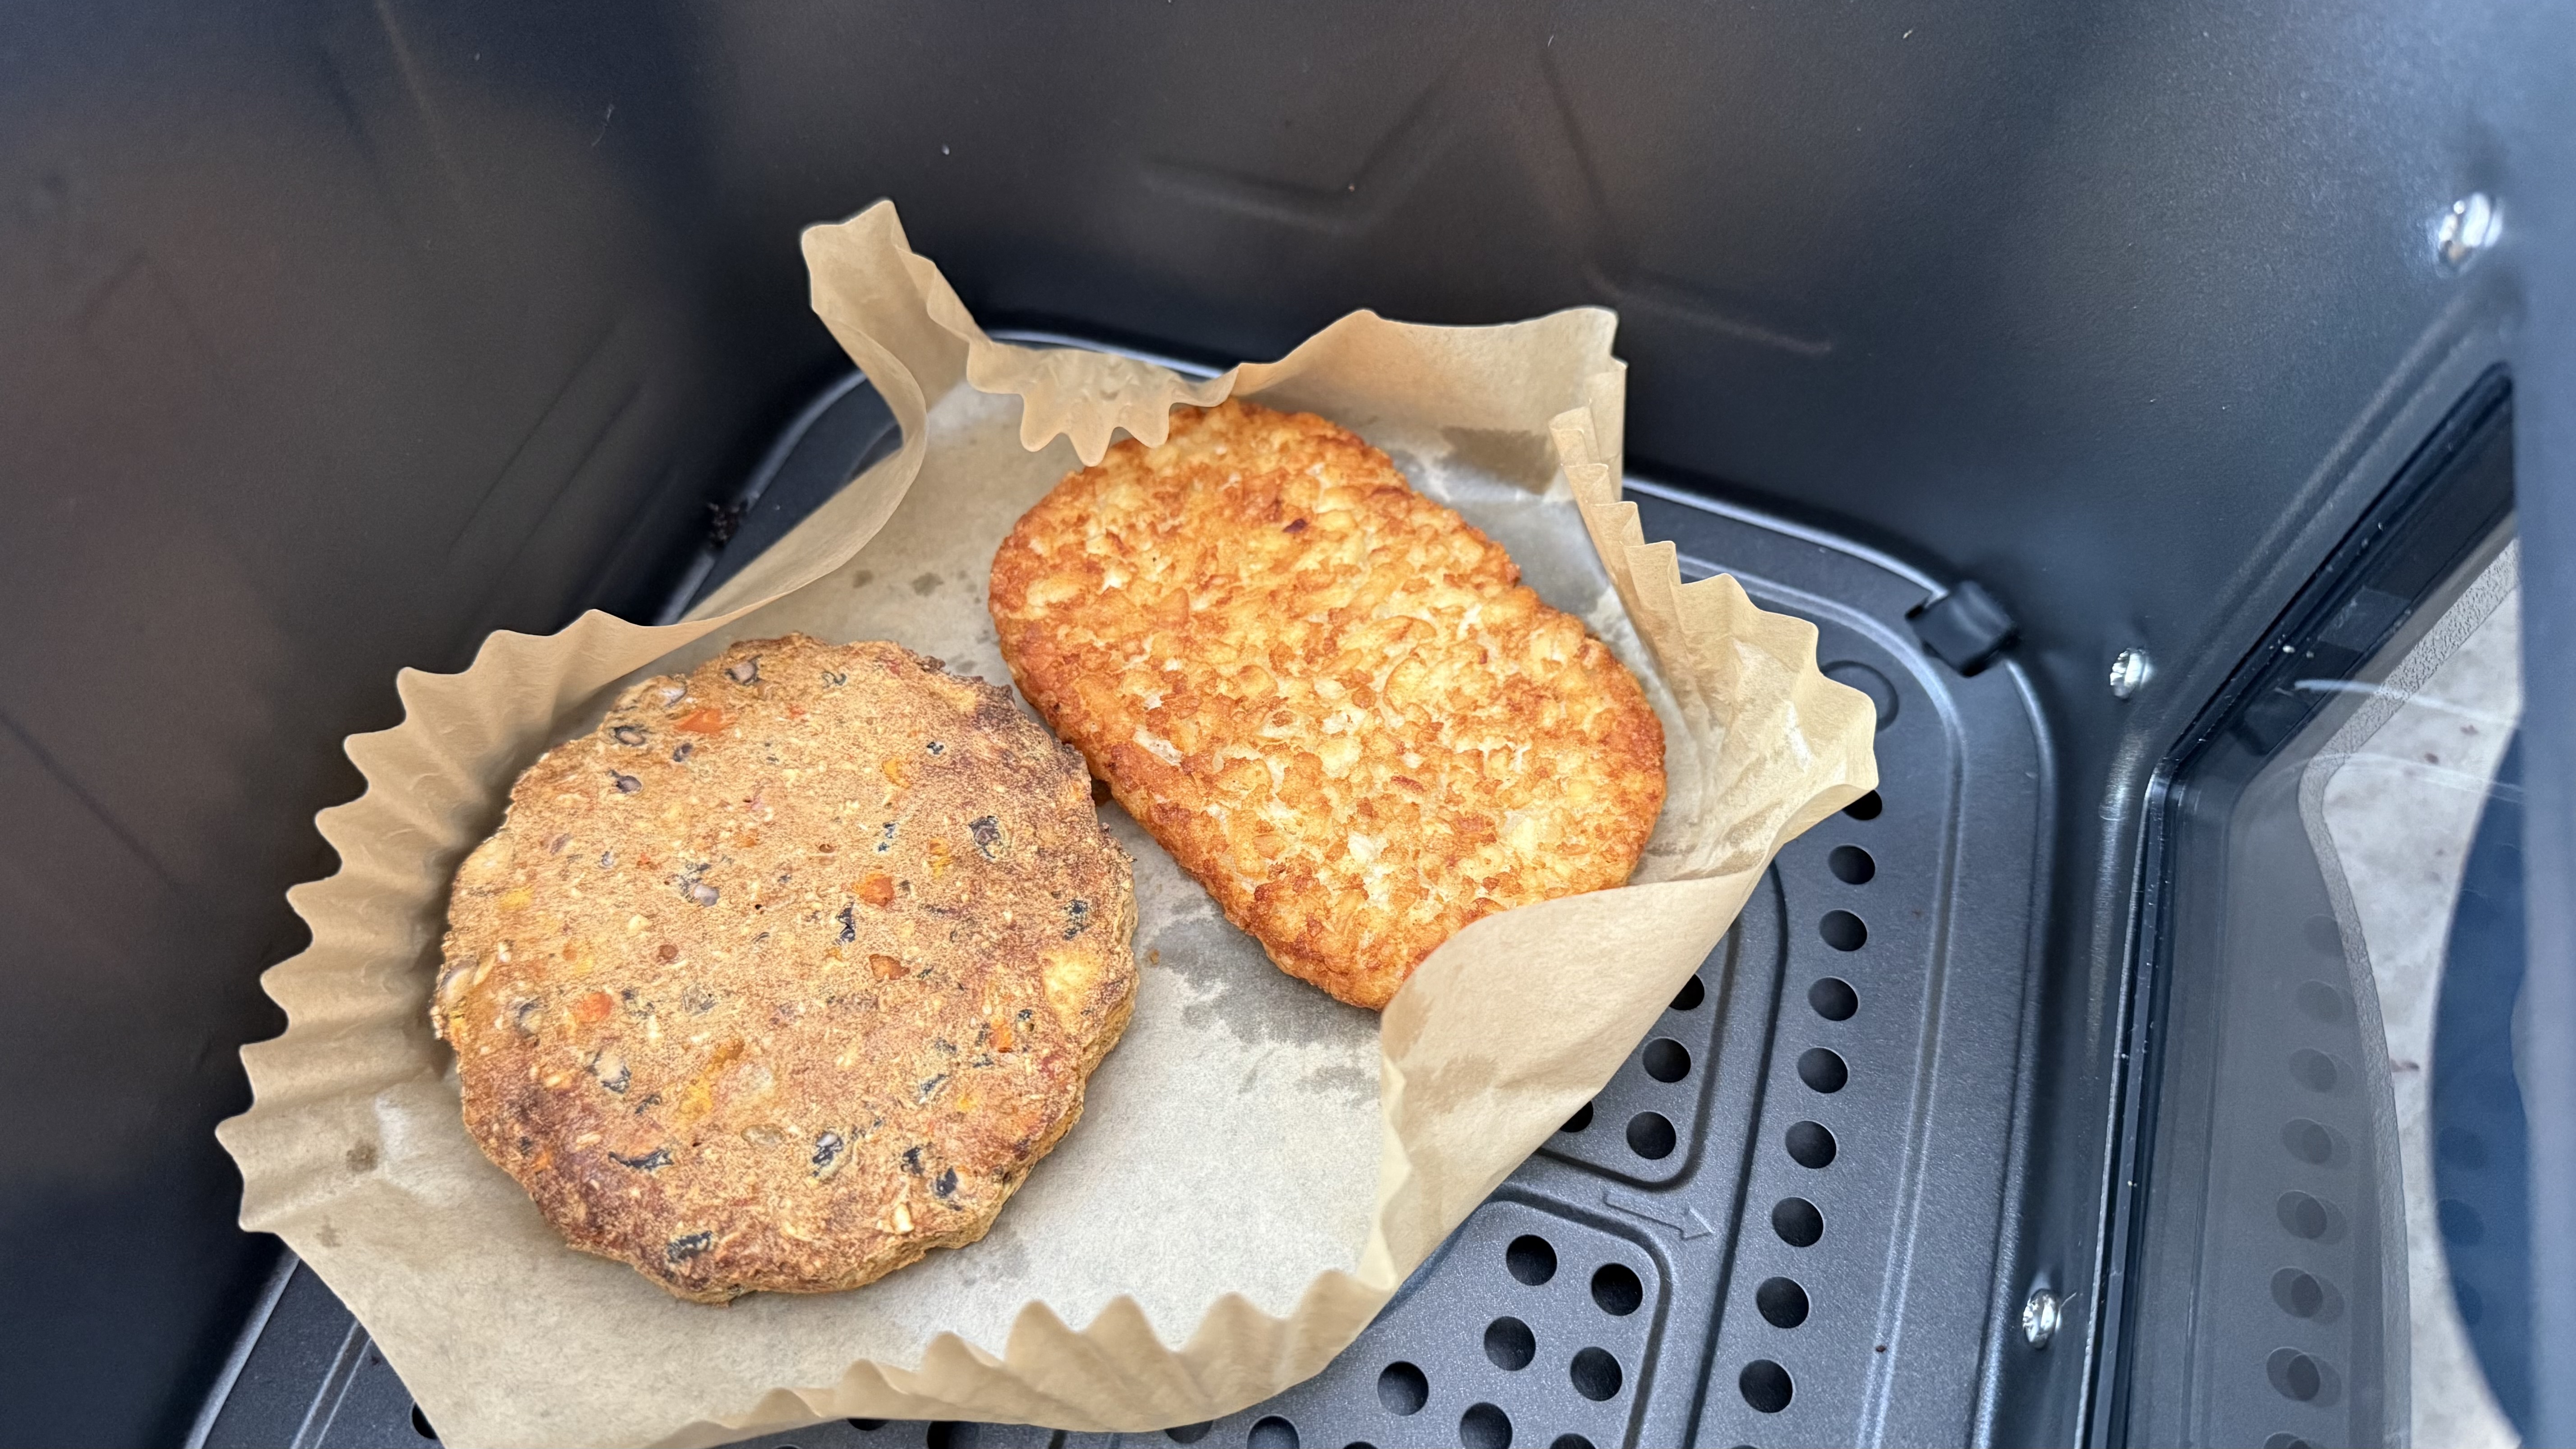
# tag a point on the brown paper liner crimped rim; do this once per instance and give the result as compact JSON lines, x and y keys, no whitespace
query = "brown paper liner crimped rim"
{"x":1496,"y":1038}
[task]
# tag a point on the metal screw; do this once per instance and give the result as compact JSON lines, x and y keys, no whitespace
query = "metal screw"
{"x":2130,"y":671}
{"x":2040,"y":1317}
{"x":2471,"y":226}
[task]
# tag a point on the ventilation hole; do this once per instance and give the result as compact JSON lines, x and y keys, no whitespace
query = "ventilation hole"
{"x":1797,"y":1222}
{"x":2323,"y":1002}
{"x":1693,"y":992}
{"x":1484,"y":1426}
{"x":1510,"y":1344}
{"x":1781,"y":1302}
{"x":2460,"y":1223}
{"x":2324,"y":936}
{"x":1531,"y":1258}
{"x":1650,"y":1135}
{"x":1667,"y":1060}
{"x":1616,"y":1289}
{"x":1359,"y":1444}
{"x":1403,"y":1389}
{"x":865,"y":1426}
{"x":1596,"y":1374}
{"x":1273,"y":1432}
{"x":950,"y":1434}
{"x":1851,"y":865}
{"x":1189,"y":1433}
{"x":2314,"y":1070}
{"x":1569,"y":1441}
{"x":1843,"y":931}
{"x":420,"y":1424}
{"x":2308,"y":1141}
{"x":2461,"y":1147}
{"x":1764,"y":1384}
{"x":2304,"y":1215}
{"x":2297,"y":1375}
{"x":2473,"y":1308}
{"x":1834,"y":999}
{"x":2286,"y":1441}
{"x":1810,"y":1145}
{"x":1864,"y":808}
{"x":2299,"y":1294}
{"x":1823,"y":1070}
{"x":1581,"y":1119}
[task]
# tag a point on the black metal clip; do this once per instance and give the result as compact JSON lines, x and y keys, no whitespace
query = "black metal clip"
{"x":1964,"y":627}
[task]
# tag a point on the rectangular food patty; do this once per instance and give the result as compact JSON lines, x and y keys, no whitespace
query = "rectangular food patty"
{"x":1326,"y":695}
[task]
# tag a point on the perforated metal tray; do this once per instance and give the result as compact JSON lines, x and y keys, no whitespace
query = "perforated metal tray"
{"x":1779,"y":1222}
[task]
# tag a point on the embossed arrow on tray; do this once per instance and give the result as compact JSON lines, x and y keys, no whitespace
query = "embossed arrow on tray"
{"x":1690,"y":1224}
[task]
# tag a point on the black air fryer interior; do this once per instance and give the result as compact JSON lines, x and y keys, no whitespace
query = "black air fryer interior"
{"x":334,"y":337}
{"x":1768,"y":1185}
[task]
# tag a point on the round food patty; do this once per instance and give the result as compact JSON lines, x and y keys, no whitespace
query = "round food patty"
{"x":788,"y":972}
{"x":1326,"y":695}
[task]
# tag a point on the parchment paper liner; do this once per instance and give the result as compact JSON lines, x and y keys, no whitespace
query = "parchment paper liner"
{"x":1498,"y":1036}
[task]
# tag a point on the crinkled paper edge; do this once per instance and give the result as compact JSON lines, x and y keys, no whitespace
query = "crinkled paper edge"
{"x":1745,"y":680}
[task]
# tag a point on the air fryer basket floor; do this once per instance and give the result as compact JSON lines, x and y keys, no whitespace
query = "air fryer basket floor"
{"x":1778,"y":1224}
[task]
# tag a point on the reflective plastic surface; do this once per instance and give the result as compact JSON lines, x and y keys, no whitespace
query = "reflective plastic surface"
{"x":2328,"y":1243}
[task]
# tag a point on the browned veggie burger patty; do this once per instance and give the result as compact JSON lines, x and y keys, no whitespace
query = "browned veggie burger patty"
{"x":788,"y":972}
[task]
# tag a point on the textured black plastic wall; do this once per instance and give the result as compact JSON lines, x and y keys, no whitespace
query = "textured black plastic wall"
{"x":333,"y":336}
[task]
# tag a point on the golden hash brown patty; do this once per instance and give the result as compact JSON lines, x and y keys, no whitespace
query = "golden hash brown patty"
{"x":1328,"y":697}
{"x":788,"y":972}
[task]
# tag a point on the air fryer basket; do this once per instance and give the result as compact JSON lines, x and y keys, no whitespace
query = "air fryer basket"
{"x":1778,"y":1221}
{"x":2005,"y":341}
